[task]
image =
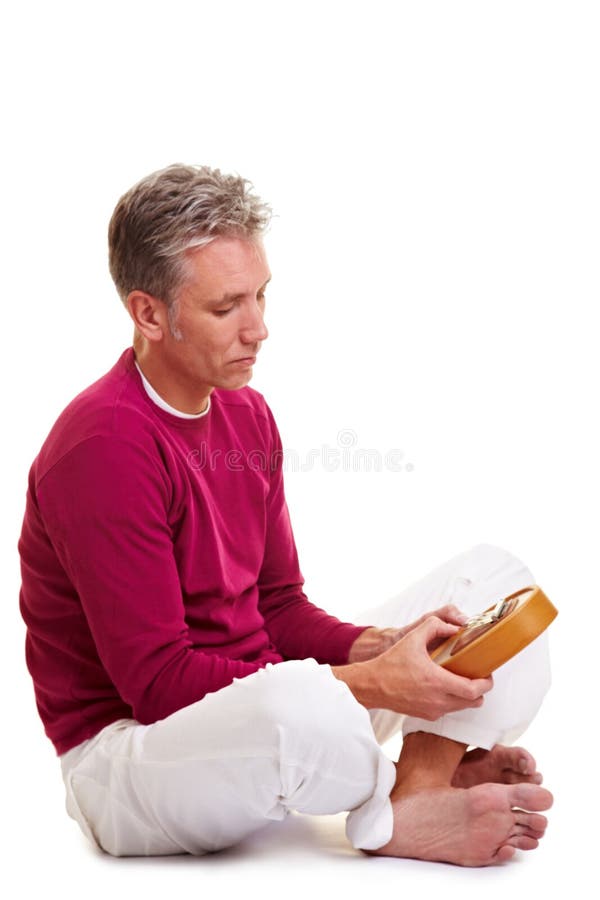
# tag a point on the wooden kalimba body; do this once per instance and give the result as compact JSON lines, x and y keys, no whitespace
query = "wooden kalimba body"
{"x":490,"y":639}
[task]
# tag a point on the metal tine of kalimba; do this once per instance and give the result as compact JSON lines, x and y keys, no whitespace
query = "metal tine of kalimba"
{"x":498,"y":609}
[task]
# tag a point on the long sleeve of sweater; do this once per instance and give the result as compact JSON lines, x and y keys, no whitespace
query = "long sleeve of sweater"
{"x":107,"y":503}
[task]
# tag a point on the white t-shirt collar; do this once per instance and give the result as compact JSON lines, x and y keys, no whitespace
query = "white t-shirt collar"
{"x":163,"y":403}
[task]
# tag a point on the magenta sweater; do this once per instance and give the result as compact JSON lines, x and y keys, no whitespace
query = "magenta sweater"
{"x":158,"y":560}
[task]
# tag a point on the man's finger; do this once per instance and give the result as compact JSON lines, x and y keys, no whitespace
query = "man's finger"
{"x":434,"y":628}
{"x":466,"y":688}
{"x":453,"y":614}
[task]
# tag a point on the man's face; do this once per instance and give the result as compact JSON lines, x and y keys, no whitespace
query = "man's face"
{"x":219,"y":327}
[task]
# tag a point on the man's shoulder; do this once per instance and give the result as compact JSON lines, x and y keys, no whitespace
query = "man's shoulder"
{"x":110,"y":406}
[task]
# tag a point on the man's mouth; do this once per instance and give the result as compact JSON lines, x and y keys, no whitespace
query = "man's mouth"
{"x":251,"y":357}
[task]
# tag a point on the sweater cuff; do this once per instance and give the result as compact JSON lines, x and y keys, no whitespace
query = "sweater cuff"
{"x":342,"y":642}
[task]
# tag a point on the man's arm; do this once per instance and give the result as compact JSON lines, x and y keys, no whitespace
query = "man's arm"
{"x":406,"y":680}
{"x":105,"y":509}
{"x":375,"y":641}
{"x":372,"y":642}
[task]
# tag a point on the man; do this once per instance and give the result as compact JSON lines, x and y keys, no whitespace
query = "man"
{"x":191,"y":690}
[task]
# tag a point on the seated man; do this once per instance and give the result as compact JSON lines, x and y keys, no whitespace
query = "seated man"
{"x":191,"y":690}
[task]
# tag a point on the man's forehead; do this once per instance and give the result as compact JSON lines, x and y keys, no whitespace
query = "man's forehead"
{"x":228,"y":256}
{"x":228,"y":266}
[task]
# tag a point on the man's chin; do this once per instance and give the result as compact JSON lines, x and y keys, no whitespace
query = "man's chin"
{"x":234,"y":383}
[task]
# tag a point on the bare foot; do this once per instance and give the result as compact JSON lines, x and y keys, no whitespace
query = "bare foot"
{"x":478,"y":826}
{"x":504,"y":765}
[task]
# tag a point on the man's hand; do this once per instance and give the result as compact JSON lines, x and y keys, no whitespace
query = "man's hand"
{"x":374,"y":641}
{"x":406,"y":680}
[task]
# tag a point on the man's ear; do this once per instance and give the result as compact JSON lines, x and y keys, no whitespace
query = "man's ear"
{"x":149,"y":315}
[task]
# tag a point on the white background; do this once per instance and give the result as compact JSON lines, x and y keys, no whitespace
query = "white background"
{"x":433,"y":167}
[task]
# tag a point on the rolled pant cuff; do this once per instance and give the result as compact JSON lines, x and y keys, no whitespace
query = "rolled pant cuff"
{"x":370,"y":825}
{"x":463,"y":732}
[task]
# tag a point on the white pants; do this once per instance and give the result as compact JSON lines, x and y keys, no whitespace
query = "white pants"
{"x":290,"y":737}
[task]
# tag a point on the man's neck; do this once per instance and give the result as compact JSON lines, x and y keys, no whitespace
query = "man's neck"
{"x":161,"y":387}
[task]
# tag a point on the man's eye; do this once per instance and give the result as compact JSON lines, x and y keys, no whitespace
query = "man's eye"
{"x":223,"y":312}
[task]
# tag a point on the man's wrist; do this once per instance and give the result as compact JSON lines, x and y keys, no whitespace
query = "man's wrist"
{"x":371,"y":643}
{"x":360,"y":680}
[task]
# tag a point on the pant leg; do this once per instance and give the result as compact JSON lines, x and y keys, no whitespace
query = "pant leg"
{"x":472,"y":581}
{"x":289,"y":737}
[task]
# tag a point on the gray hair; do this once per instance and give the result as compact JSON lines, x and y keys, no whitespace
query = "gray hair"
{"x":170,"y":212}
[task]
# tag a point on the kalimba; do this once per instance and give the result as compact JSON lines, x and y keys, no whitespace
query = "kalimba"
{"x":490,"y":639}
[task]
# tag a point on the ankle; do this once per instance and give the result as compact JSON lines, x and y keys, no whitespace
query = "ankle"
{"x":412,"y":782}
{"x":426,"y":761}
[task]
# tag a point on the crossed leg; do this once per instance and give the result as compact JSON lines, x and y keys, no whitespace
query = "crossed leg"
{"x":292,"y":737}
{"x":468,"y":807}
{"x":474,"y":826}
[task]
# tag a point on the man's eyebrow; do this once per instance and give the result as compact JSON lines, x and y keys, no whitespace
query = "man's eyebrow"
{"x":229,"y":298}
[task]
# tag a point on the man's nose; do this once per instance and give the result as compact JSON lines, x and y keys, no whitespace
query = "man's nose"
{"x":254,"y":329}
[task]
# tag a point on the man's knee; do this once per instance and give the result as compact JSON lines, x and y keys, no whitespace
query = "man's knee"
{"x":490,"y":562}
{"x":327,"y":753}
{"x":302,"y":701}
{"x":491,"y":554}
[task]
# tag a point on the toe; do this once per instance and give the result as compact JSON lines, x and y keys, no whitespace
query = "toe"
{"x":516,"y":758}
{"x":504,"y":853}
{"x":522,"y":842}
{"x":511,"y":777}
{"x":530,"y":797}
{"x":532,"y":821}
